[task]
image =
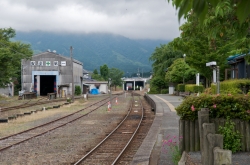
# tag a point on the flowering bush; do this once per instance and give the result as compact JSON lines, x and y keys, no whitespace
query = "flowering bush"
{"x":171,"y":145}
{"x":220,"y":106}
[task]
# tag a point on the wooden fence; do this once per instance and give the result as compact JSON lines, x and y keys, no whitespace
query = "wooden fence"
{"x":190,"y":136}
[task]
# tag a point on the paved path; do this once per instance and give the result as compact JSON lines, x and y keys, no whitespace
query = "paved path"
{"x":165,"y":124}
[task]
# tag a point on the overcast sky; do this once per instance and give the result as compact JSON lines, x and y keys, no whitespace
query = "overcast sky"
{"x":135,"y":19}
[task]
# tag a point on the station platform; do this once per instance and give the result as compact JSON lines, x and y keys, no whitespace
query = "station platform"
{"x":165,"y":126}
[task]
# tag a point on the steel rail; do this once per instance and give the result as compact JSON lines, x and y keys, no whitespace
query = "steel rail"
{"x":115,"y":161}
{"x":1,"y":149}
{"x":107,"y":137}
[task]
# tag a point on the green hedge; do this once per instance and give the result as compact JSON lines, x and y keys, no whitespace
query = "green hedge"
{"x":194,"y":88}
{"x":234,"y":86}
{"x":78,"y":90}
{"x":221,"y":106}
{"x":181,"y":87}
{"x":164,"y":91}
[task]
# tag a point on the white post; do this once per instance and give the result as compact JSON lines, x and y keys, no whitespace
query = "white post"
{"x":198,"y":79}
{"x":38,"y":85}
{"x":214,"y":75}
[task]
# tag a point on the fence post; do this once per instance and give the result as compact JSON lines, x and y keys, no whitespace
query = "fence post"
{"x":181,"y":134}
{"x":208,"y":128}
{"x":243,"y":139}
{"x":192,"y":135}
{"x":187,"y":136}
{"x":247,"y":137}
{"x":203,"y":117}
{"x":197,"y":137}
{"x":222,"y":156}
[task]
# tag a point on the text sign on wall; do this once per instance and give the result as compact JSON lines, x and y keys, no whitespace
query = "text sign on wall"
{"x":32,"y":63}
{"x":63,"y":63}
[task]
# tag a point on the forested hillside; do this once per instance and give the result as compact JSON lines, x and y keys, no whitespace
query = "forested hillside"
{"x":96,"y":49}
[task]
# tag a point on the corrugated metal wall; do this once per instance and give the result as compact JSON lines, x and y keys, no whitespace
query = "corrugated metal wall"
{"x":47,"y":63}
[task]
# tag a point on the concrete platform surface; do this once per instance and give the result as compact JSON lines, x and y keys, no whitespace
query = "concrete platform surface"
{"x":153,"y":150}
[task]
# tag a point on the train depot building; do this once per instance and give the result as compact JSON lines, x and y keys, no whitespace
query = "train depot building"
{"x":50,"y":72}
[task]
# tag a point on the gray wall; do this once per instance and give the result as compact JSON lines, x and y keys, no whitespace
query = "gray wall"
{"x":62,"y":70}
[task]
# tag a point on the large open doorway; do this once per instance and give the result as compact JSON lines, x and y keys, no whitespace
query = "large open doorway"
{"x":47,"y":84}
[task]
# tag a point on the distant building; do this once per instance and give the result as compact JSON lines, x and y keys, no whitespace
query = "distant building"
{"x":238,"y":67}
{"x":50,"y":72}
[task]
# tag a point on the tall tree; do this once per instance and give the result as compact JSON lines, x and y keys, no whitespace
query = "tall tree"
{"x":180,"y":72}
{"x":162,"y":58}
{"x":116,"y":77}
{"x":201,"y":7}
{"x":96,"y":76}
{"x":11,"y":54}
{"x":104,"y":71}
{"x":214,"y":40}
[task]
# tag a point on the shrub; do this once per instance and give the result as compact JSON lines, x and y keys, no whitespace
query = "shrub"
{"x":78,"y":90}
{"x":194,"y":88}
{"x":231,"y":138}
{"x":234,"y":86}
{"x":181,"y":87}
{"x":153,"y":90}
{"x":221,"y":106}
{"x":164,"y":91}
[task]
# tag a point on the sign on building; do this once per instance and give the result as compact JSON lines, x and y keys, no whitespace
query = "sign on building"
{"x":63,"y":63}
{"x":47,"y":63}
{"x":55,"y":63}
{"x":40,"y":63}
{"x":32,"y":63}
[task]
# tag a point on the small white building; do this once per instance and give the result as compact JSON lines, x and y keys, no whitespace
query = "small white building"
{"x":101,"y":86}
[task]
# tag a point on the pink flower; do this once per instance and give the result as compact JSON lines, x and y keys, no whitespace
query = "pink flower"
{"x":248,"y":111}
{"x":192,"y":108}
{"x":214,"y":105}
{"x":229,"y":94}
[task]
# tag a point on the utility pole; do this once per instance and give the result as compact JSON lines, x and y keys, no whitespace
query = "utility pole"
{"x":72,"y":68}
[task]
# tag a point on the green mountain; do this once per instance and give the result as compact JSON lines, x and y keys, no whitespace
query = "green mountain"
{"x":96,"y":49}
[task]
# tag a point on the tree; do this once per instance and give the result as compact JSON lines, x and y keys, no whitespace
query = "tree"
{"x":179,"y":72}
{"x":116,"y":77}
{"x":11,"y":54}
{"x":212,"y":41}
{"x":201,"y":7}
{"x":104,"y":71}
{"x":162,"y":58}
{"x":157,"y":84}
{"x":96,"y":76}
{"x":95,"y":71}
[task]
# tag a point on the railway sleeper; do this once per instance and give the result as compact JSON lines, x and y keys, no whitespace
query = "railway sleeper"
{"x":3,"y":120}
{"x":56,"y":106}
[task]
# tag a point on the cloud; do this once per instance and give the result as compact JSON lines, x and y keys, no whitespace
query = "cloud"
{"x":137,"y":19}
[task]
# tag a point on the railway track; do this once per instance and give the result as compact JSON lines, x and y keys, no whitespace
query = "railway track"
{"x":14,"y":139}
{"x":109,"y":150}
{"x":38,"y":102}
{"x":28,"y":104}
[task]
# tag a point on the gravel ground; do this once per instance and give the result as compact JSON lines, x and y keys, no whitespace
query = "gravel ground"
{"x":239,"y":158}
{"x":67,"y":144}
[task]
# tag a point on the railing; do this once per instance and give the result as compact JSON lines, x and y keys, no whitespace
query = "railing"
{"x":189,"y":130}
{"x":151,"y":102}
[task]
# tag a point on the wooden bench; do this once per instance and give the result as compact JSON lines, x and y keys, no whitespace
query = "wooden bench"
{"x":184,"y":94}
